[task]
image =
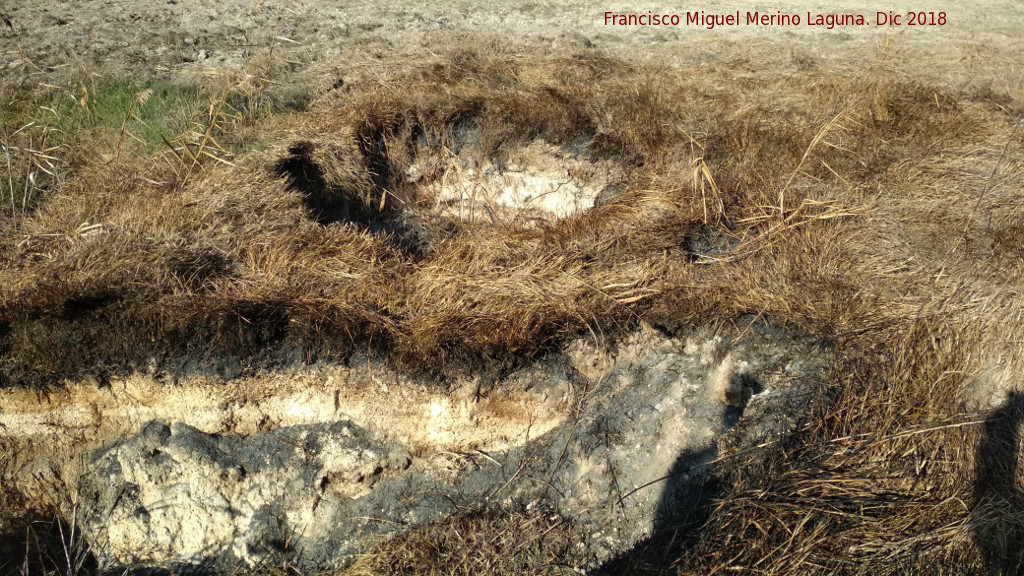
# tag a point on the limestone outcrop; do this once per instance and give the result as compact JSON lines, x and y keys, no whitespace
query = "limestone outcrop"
{"x":640,"y":424}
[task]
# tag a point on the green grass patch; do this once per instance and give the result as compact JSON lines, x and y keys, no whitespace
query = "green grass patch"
{"x":145,"y":112}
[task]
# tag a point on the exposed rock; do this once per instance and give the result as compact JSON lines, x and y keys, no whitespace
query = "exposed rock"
{"x":635,"y":440}
{"x":536,"y":183}
{"x":172,"y":494}
{"x":648,"y":426}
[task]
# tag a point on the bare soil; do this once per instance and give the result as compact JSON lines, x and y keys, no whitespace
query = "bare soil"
{"x":323,"y":43}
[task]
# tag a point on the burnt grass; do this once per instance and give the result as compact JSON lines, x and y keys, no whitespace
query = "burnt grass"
{"x":861,"y":209}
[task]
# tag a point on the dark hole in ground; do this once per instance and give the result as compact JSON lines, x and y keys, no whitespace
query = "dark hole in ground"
{"x":375,"y":150}
{"x":325,"y":204}
{"x":749,"y":386}
{"x":330,"y":205}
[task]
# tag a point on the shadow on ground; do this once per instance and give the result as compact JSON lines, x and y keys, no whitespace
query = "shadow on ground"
{"x":999,"y":499}
{"x":685,"y":506}
{"x":688,"y":494}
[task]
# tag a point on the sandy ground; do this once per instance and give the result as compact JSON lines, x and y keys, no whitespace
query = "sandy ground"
{"x":326,"y":41}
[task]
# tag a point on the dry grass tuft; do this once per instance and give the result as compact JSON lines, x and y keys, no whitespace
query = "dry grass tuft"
{"x":501,"y":544}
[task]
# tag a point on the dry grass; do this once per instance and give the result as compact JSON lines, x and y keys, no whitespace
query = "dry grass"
{"x":498,"y":543}
{"x":877,"y":212}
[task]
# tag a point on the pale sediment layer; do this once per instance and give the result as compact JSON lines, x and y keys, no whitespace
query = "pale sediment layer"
{"x":312,"y":463}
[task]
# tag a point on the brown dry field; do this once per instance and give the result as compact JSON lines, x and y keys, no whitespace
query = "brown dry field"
{"x":861,"y":186}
